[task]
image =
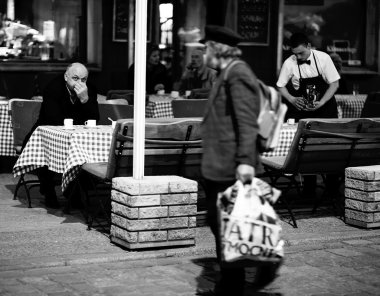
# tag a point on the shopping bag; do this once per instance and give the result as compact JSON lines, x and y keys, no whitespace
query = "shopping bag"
{"x":249,"y":229}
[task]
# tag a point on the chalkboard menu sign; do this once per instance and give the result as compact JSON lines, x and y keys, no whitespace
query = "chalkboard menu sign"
{"x":253,"y":21}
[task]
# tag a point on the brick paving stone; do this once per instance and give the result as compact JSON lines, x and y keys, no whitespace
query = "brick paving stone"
{"x":50,"y":288}
{"x":375,"y":246}
{"x":357,"y":242}
{"x":83,"y":288}
{"x":67,"y":278}
{"x":15,"y":290}
{"x":66,"y":293}
{"x":345,"y":252}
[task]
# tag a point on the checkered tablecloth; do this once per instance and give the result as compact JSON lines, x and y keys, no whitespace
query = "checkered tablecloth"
{"x":6,"y":134}
{"x":350,"y":106}
{"x":64,"y":151}
{"x":159,"y":106}
{"x":286,"y":137}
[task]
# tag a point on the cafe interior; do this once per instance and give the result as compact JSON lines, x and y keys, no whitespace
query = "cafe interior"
{"x":40,"y":38}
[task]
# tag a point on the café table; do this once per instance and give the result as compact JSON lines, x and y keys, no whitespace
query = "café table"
{"x":6,"y":133}
{"x":350,"y":106}
{"x":64,"y":151}
{"x":286,"y":137}
{"x":159,"y":106}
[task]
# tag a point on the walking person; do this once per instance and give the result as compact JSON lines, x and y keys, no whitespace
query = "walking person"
{"x":229,"y":132}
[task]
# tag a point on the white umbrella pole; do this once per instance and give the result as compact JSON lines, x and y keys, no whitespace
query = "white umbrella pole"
{"x":139,"y":95}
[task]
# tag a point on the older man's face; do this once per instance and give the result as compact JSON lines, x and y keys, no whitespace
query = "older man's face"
{"x":197,"y":59}
{"x":76,"y":75}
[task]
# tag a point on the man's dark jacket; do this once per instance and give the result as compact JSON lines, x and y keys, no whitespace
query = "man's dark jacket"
{"x":229,"y":127}
{"x":57,"y":106}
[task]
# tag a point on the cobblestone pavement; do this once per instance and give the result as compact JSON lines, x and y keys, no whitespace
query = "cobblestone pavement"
{"x":343,"y":268}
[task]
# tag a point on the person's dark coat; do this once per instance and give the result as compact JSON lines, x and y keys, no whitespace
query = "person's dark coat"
{"x":154,"y":75}
{"x":56,"y":106}
{"x":229,"y":128}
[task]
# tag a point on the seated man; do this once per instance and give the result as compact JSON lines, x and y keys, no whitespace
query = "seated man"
{"x":197,"y":74}
{"x":66,"y":96}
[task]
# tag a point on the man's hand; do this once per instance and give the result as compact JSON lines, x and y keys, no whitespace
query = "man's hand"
{"x":81,"y":91}
{"x":317,"y":105}
{"x":245,"y":173}
{"x":298,"y":102}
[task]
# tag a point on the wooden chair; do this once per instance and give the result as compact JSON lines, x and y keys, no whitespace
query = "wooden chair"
{"x":189,"y":108}
{"x":200,"y":93}
{"x":325,"y":146}
{"x":172,"y":146}
{"x":115,"y":112}
{"x":126,"y":94}
{"x":371,"y":106}
{"x":23,"y":114}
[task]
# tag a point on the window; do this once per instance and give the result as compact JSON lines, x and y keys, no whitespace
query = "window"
{"x":46,"y":30}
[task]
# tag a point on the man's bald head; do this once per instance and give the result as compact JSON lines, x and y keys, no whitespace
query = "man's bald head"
{"x":75,"y":73}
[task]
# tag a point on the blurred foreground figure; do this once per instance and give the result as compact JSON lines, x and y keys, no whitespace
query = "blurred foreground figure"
{"x":229,"y":133}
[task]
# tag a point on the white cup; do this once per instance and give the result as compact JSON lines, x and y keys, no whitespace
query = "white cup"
{"x":291,"y":121}
{"x":174,"y":94}
{"x":161,"y":92}
{"x":90,"y":123}
{"x":188,"y":93}
{"x":68,"y":123}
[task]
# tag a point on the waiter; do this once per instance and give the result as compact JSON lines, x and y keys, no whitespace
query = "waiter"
{"x":308,"y":81}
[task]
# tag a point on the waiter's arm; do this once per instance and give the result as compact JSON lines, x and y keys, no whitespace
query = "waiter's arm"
{"x":295,"y":101}
{"x":331,"y":90}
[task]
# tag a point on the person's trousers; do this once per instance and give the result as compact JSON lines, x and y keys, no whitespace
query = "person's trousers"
{"x":232,"y":280}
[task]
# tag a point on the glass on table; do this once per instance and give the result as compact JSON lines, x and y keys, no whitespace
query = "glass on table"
{"x":355,"y":89}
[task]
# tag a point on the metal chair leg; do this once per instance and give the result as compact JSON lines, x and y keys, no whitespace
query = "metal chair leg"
{"x":19,"y":183}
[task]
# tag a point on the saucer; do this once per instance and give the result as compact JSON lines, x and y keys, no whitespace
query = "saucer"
{"x":85,"y":126}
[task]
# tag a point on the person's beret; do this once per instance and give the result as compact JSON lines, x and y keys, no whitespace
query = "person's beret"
{"x":221,"y":35}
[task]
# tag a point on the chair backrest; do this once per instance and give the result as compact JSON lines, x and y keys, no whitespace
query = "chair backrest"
{"x":189,"y":108}
{"x":126,"y":94}
{"x":172,"y":146}
{"x":114,"y":111}
{"x":371,"y":106}
{"x":23,"y":114}
{"x":200,"y":93}
{"x":322,"y":146}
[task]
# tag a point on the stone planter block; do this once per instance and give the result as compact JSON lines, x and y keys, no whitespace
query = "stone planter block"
{"x":362,"y":192}
{"x":158,"y":211}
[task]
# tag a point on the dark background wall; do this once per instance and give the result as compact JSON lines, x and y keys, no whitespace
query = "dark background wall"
{"x":113,"y":73}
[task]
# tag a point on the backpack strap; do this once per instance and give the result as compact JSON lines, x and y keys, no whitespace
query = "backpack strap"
{"x":229,"y":66}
